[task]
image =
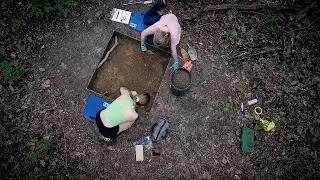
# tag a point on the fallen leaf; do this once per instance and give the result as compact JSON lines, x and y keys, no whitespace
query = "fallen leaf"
{"x":42,"y":163}
{"x":11,"y":88}
{"x":63,"y":65}
{"x":248,"y":95}
{"x":224,"y":161}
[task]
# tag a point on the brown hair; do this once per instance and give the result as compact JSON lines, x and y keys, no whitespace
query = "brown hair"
{"x":144,"y":99}
{"x":161,"y":39}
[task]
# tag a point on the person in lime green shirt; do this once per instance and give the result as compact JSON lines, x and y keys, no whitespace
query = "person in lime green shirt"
{"x":120,"y":114}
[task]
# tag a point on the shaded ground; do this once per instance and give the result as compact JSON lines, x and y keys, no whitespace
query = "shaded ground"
{"x":205,"y":140}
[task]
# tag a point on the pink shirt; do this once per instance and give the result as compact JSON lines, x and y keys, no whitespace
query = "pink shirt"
{"x":171,"y":21}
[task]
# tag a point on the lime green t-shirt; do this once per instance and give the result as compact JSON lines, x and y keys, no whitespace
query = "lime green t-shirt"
{"x":115,"y":111}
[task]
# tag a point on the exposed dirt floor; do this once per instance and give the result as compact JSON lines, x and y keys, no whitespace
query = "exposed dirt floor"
{"x":128,"y":67}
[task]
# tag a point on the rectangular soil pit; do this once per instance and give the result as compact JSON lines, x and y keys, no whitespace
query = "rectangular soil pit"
{"x":127,"y":66}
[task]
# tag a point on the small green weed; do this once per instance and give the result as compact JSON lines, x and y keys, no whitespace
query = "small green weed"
{"x":17,"y":24}
{"x":28,"y":178}
{"x":1,"y":53}
{"x":10,"y":68}
{"x":42,"y":149}
{"x":186,"y":2}
{"x":272,"y":20}
{"x":241,"y":90}
{"x":47,"y":9}
{"x":226,"y":104}
{"x":61,"y":178}
{"x":232,"y":34}
{"x":64,"y":6}
{"x":73,"y":167}
{"x":27,"y":40}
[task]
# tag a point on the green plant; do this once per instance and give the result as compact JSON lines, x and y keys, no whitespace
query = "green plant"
{"x":17,"y":23}
{"x":1,"y":53}
{"x":73,"y":167}
{"x":61,"y":178}
{"x":28,"y":178}
{"x":186,"y":2}
{"x":27,"y":40}
{"x":272,"y":20}
{"x":42,"y":149}
{"x":241,"y":90}
{"x":232,"y":34}
{"x":227,"y":104}
{"x":64,"y":6}
{"x":47,"y":9}
{"x":10,"y":68}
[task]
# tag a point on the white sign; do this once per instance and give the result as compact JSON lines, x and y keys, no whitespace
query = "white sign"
{"x":121,"y":16}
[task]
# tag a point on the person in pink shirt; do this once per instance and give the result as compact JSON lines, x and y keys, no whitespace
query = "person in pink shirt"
{"x":163,"y":31}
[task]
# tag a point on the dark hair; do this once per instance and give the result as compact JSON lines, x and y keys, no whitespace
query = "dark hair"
{"x":144,"y":99}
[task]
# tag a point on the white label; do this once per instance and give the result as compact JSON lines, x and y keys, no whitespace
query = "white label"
{"x":121,"y":16}
{"x":105,"y":104}
{"x":139,"y":152}
{"x":253,"y":101}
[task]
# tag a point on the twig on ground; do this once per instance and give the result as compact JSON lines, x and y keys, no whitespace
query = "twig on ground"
{"x":251,"y":12}
{"x":108,"y":53}
{"x":265,"y":50}
{"x":198,"y":14}
{"x":288,"y":49}
{"x":200,"y":25}
{"x":303,"y":28}
{"x":245,"y":7}
{"x":208,"y":7}
{"x":301,"y":14}
{"x":203,"y":7}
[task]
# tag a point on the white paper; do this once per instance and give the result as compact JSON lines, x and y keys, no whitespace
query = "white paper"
{"x":121,"y":16}
{"x":139,"y":153}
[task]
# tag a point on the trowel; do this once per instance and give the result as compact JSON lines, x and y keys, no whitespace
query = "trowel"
{"x":149,"y":52}
{"x":185,"y":55}
{"x":192,"y":53}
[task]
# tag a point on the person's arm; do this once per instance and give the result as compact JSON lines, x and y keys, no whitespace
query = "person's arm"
{"x":124,"y":90}
{"x":150,"y":30}
{"x":174,"y":51}
{"x":134,"y":117}
{"x":174,"y":43}
{"x":131,"y":116}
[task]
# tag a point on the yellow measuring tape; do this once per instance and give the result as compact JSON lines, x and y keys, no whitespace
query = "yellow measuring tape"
{"x":267,"y":126}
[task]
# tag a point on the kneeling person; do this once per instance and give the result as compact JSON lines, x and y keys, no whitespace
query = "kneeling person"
{"x":120,"y":114}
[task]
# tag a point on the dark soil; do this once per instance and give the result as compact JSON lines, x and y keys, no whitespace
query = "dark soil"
{"x":181,"y":79}
{"x":128,"y":67}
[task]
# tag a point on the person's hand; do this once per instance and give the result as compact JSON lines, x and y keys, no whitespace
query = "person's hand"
{"x":143,"y":48}
{"x":134,"y":93}
{"x":175,"y":65}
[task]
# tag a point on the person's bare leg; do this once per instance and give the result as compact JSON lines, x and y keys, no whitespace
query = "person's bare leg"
{"x":124,"y":126}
